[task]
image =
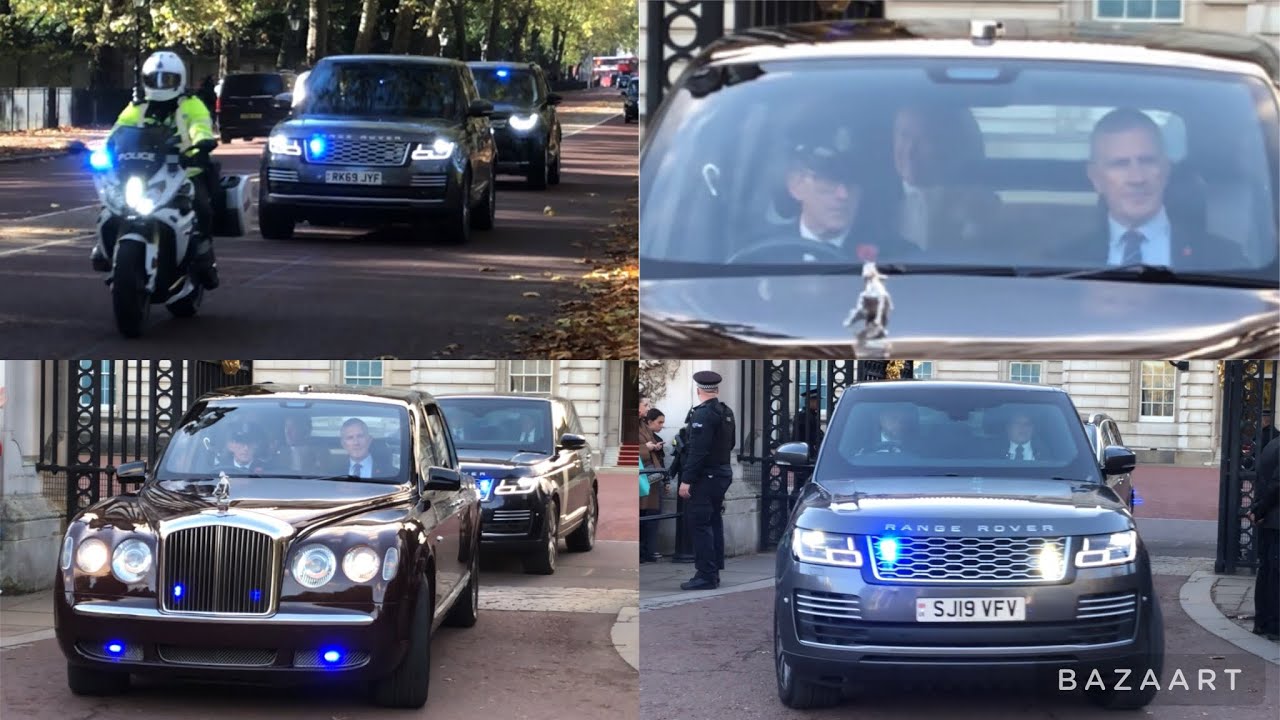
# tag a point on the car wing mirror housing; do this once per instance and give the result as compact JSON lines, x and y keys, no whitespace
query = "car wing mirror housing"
{"x":480,"y":108}
{"x":439,"y":478}
{"x":793,"y":454}
{"x":131,"y":475}
{"x":1118,"y":460}
{"x":569,"y":441}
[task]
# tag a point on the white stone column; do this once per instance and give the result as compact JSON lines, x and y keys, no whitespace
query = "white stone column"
{"x":30,"y":529}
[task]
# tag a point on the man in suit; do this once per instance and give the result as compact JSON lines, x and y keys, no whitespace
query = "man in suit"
{"x":807,"y":427}
{"x":528,"y":431}
{"x":244,"y":450}
{"x":896,"y":432}
{"x":297,"y":454}
{"x":1129,"y":168}
{"x":357,"y":441}
{"x":1265,"y":515}
{"x":1020,"y":443}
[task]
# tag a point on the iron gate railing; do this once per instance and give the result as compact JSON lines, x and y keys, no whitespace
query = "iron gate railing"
{"x":98,"y":414}
{"x":1248,"y":389}
{"x":772,"y":392}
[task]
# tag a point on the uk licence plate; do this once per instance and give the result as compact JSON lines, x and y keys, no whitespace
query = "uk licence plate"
{"x":348,"y":177}
{"x":1010,"y":609}
{"x":250,"y":116}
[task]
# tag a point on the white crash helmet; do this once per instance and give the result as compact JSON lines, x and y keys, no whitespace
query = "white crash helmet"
{"x":164,"y":76}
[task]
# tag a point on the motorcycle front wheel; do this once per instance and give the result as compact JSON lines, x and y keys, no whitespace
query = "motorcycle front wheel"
{"x":129,"y":296}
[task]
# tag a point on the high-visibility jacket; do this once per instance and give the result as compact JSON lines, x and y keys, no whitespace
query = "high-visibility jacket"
{"x":190,"y":120}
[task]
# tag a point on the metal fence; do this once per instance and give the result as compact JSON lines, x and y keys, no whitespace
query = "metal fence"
{"x":37,"y":108}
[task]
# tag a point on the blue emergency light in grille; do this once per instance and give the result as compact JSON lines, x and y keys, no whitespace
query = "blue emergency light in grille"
{"x":484,"y":483}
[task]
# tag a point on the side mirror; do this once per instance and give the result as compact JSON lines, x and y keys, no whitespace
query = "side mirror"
{"x":569,"y":441}
{"x":554,"y":99}
{"x":793,"y":454}
{"x":1118,"y":460}
{"x":134,"y":473}
{"x":480,"y":108}
{"x":439,"y":478}
{"x":284,"y":101}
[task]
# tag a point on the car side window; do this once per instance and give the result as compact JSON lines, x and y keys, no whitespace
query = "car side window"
{"x":427,"y":453}
{"x":440,"y":438}
{"x":575,"y":425}
{"x":559,"y":420}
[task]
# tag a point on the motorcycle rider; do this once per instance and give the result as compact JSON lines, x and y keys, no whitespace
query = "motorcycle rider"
{"x":166,"y":102}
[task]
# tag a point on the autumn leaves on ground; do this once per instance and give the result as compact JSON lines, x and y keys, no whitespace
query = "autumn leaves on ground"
{"x":602,"y":323}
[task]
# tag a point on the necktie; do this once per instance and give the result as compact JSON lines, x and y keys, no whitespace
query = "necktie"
{"x":1132,"y":241}
{"x":915,"y":220}
{"x":356,"y":467}
{"x":1022,"y":451}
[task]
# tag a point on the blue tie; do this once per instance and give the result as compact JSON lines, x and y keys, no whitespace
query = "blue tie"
{"x":1132,"y":242}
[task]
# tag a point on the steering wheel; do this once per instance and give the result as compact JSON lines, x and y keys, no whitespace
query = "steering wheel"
{"x":788,"y":250}
{"x":885,"y":447}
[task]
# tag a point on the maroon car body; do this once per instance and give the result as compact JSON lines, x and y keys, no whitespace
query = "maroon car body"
{"x":222,"y":600}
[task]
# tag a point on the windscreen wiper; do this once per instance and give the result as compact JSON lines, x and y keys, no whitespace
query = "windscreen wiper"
{"x":1164,"y":274}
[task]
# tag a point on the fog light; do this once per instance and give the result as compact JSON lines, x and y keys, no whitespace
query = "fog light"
{"x":331,"y":656}
{"x":115,"y":649}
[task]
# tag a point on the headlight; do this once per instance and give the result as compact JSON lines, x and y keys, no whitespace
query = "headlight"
{"x":314,"y":566}
{"x":131,"y":560}
{"x":68,"y":547}
{"x":135,"y":196}
{"x":815,"y":546}
{"x":523,"y":122}
{"x":360,"y":563}
{"x":1114,"y":549}
{"x":441,"y":149}
{"x":281,"y":145}
{"x":92,"y":556}
{"x":517,"y":486}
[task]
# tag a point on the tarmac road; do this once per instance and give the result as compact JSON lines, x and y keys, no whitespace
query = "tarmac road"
{"x":326,"y":293}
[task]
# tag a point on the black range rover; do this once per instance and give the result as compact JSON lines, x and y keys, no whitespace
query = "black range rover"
{"x":379,"y":139}
{"x":525,"y":123}
{"x":961,"y":526}
{"x":534,"y":470}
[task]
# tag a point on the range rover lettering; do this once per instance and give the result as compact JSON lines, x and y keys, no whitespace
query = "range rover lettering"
{"x":961,"y":526}
{"x":381,"y":139}
{"x":282,"y":537}
{"x":534,"y":470}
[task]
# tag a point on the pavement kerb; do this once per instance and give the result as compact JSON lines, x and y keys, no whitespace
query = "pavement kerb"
{"x":626,"y":636}
{"x":34,"y":156}
{"x":1196,"y":598}
{"x":660,"y":602}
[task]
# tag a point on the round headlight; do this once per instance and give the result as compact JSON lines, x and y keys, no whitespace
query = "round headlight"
{"x":360,"y":563}
{"x":314,"y":566}
{"x":131,"y":560}
{"x":92,"y":556}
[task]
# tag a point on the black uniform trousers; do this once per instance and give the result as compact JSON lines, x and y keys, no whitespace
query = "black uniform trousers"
{"x":706,"y":522}
{"x":1266,"y":595}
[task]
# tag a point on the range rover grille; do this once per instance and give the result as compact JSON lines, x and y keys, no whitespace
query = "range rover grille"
{"x":968,"y":559}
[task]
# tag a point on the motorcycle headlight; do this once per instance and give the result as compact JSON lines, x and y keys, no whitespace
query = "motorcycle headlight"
{"x":823,"y":548}
{"x":440,"y":149}
{"x":131,"y":560}
{"x":314,"y":565}
{"x":523,"y":122}
{"x":92,"y":556}
{"x":136,"y":196}
{"x":281,"y":145}
{"x":517,"y":486}
{"x":1114,"y":549}
{"x":360,"y":563}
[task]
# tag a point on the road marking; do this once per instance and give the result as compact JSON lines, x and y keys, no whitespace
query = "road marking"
{"x":560,"y":599}
{"x":584,"y":128}
{"x":55,"y":212}
{"x":51,"y":243}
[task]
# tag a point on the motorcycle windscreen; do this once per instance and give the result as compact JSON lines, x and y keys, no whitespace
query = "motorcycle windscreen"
{"x":140,"y":151}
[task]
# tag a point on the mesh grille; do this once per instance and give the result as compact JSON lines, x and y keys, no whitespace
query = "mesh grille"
{"x":946,"y":559}
{"x":361,"y":152}
{"x":311,"y":658}
{"x":218,"y":568}
{"x":132,"y":653}
{"x":225,"y":657}
{"x":509,"y":522}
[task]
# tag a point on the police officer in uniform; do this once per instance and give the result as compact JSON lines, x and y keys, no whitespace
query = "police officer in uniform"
{"x":1265,"y":515}
{"x":705,"y":476}
{"x":807,"y":427}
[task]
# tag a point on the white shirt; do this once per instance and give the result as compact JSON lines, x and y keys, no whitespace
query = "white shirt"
{"x":362,"y":468}
{"x":915,"y":215}
{"x":1013,"y":451}
{"x":527,"y":437}
{"x":1157,"y":250}
{"x":837,"y":241}
{"x":246,"y":466}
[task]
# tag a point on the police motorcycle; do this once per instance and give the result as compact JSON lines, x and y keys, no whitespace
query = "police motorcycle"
{"x":147,"y":226}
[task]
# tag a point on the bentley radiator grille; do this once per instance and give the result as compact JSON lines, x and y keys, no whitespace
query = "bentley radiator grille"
{"x":218,"y":569}
{"x":968,"y":559}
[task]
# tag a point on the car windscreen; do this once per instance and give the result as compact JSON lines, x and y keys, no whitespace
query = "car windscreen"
{"x":383,"y":89}
{"x":922,"y":429}
{"x":505,"y":85}
{"x":932,"y":161}
{"x":278,"y":437}
{"x":499,"y":423}
{"x":252,"y":84}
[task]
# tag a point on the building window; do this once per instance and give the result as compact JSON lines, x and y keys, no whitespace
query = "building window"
{"x":531,"y":376}
{"x":362,"y":372}
{"x":922,"y":370}
{"x":1025,"y":372}
{"x":106,"y":384}
{"x":812,"y":376}
{"x":1138,"y":10}
{"x":1156,"y":391}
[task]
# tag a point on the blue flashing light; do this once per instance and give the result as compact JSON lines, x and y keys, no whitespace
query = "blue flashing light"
{"x":316,"y":145}
{"x":332,"y":656}
{"x":100,"y":159}
{"x":486,"y":485}
{"x":503,"y":72}
{"x":888,"y":550}
{"x":115,"y":648}
{"x":177,"y":591}
{"x":255,"y":595}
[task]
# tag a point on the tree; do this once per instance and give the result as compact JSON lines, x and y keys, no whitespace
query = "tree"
{"x":317,"y":31}
{"x":491,"y":35}
{"x":368,"y":21}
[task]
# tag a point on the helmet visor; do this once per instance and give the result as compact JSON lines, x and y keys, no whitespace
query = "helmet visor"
{"x":162,"y":80}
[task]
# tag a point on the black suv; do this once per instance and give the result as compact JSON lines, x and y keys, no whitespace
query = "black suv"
{"x":524,"y":120}
{"x":533,"y":467}
{"x":377,"y":139}
{"x":961,"y":526}
{"x":246,"y":104}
